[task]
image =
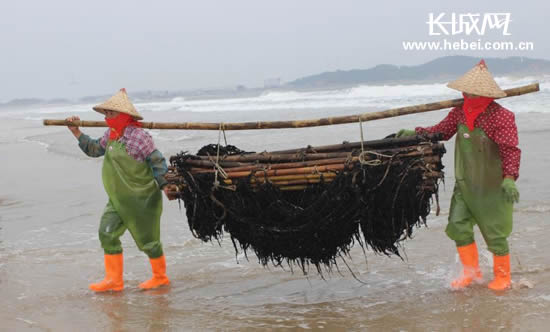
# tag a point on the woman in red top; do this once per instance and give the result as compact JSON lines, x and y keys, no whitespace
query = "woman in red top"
{"x":133,"y":177}
{"x":487,"y":161}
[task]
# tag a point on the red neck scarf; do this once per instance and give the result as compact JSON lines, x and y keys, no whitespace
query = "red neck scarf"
{"x":118,"y":123}
{"x":473,"y":107}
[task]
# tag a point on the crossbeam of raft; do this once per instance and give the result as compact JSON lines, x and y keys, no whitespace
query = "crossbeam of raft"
{"x":300,"y":123}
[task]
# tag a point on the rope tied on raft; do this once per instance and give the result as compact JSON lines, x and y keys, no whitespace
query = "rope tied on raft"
{"x":362,"y":159}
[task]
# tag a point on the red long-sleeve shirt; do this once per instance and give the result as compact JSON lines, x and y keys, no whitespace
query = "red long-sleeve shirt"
{"x":499,"y":125}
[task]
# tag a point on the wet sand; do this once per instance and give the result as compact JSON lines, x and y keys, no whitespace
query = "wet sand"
{"x":51,"y":198}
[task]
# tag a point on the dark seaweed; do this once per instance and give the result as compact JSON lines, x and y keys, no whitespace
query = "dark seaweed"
{"x":375,"y":206}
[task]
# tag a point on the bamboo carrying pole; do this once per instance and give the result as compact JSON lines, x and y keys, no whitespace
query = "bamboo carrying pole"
{"x":300,"y":123}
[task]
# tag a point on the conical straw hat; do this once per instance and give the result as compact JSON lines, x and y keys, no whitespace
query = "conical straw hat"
{"x":119,"y":103}
{"x":478,"y":81}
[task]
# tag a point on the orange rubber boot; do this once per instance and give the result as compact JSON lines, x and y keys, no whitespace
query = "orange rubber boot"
{"x":159,"y":274}
{"x":469,"y":258}
{"x":113,"y":275}
{"x":501,"y":269}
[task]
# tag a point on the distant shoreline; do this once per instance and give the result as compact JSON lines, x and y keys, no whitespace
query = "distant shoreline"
{"x":440,"y":70}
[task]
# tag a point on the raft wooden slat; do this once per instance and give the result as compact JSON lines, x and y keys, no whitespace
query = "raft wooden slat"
{"x":292,"y":171}
{"x":301,"y":123}
{"x":270,"y":178}
{"x":208,"y":165}
{"x":298,"y":187}
{"x":367,"y":145}
{"x":305,"y":173}
{"x":380,"y":146}
{"x":326,"y":179}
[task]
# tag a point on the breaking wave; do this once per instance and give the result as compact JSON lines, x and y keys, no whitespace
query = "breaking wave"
{"x":365,"y":97}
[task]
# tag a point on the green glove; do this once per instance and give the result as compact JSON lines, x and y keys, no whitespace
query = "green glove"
{"x":405,"y":132}
{"x":511,"y":193}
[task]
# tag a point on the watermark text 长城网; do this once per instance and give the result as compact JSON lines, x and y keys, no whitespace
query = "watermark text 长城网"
{"x":468,"y":24}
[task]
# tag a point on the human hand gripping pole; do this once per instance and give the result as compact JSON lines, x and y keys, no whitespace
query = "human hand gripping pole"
{"x":169,"y":191}
{"x":74,"y":129}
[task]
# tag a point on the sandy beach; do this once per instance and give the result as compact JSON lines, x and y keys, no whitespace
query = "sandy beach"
{"x":51,"y":198}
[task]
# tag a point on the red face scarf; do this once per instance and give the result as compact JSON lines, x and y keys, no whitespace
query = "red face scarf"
{"x":118,"y":123}
{"x":473,"y":107}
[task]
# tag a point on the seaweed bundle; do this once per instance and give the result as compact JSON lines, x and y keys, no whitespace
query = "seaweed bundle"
{"x":310,"y":205}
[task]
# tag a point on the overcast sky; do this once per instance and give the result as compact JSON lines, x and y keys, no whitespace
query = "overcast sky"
{"x":67,"y":48}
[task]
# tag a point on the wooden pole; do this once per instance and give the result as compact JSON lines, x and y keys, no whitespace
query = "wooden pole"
{"x":300,"y":123}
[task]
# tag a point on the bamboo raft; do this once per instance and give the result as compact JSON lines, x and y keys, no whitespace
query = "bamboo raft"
{"x":310,"y":205}
{"x":295,"y":169}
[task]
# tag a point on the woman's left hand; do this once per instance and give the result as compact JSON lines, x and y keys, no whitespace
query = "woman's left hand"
{"x":169,"y":190}
{"x":511,"y":193}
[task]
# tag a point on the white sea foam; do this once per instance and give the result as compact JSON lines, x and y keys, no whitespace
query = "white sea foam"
{"x":359,"y":97}
{"x":364,"y":96}
{"x":510,"y":82}
{"x":537,"y":208}
{"x":356,"y":97}
{"x":36,"y":141}
{"x":77,"y":108}
{"x":34,"y":118}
